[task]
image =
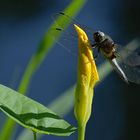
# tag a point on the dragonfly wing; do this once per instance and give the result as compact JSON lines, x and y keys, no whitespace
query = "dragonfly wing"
{"x":129,"y":62}
{"x":133,"y":59}
{"x":132,"y":72}
{"x":68,"y":35}
{"x":89,"y":31}
{"x":68,"y":39}
{"x":127,"y":56}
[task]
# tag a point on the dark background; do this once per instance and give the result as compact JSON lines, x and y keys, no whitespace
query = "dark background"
{"x":116,"y":113}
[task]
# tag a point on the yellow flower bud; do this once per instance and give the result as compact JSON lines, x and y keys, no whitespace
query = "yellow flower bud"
{"x":86,"y":80}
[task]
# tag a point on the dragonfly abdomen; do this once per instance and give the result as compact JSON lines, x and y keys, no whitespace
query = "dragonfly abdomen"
{"x":118,"y":69}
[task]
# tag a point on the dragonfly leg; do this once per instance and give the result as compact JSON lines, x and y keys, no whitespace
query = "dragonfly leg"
{"x":94,"y":45}
{"x":98,"y":51}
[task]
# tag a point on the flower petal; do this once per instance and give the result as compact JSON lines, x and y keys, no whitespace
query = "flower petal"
{"x":87,"y":78}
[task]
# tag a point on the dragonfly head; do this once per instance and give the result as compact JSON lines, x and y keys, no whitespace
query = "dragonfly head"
{"x":99,"y":36}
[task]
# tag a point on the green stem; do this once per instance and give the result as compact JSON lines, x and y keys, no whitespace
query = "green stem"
{"x":81,"y":132}
{"x":34,"y":133}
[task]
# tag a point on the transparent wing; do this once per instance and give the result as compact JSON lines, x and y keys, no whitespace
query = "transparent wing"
{"x":69,"y":39}
{"x":129,"y":62}
{"x":132,"y":72}
{"x":128,"y":56}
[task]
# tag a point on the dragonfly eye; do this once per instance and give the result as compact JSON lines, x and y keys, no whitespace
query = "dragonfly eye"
{"x":98,"y":36}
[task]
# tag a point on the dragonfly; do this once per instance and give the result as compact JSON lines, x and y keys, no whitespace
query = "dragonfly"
{"x":126,"y":64}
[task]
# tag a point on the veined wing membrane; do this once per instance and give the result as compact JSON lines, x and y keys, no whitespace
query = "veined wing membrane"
{"x":129,"y":63}
{"x":69,"y":38}
{"x":131,"y":72}
{"x":128,"y":56}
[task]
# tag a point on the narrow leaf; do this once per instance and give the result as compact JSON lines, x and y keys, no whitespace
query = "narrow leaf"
{"x":31,"y":114}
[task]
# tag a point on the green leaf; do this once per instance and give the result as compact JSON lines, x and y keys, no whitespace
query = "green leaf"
{"x":66,"y":98}
{"x":31,"y":114}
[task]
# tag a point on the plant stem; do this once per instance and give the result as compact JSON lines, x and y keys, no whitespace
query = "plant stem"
{"x":81,"y":132}
{"x":34,"y":133}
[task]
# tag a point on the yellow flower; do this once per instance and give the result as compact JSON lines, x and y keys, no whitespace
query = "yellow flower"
{"x":86,"y":80}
